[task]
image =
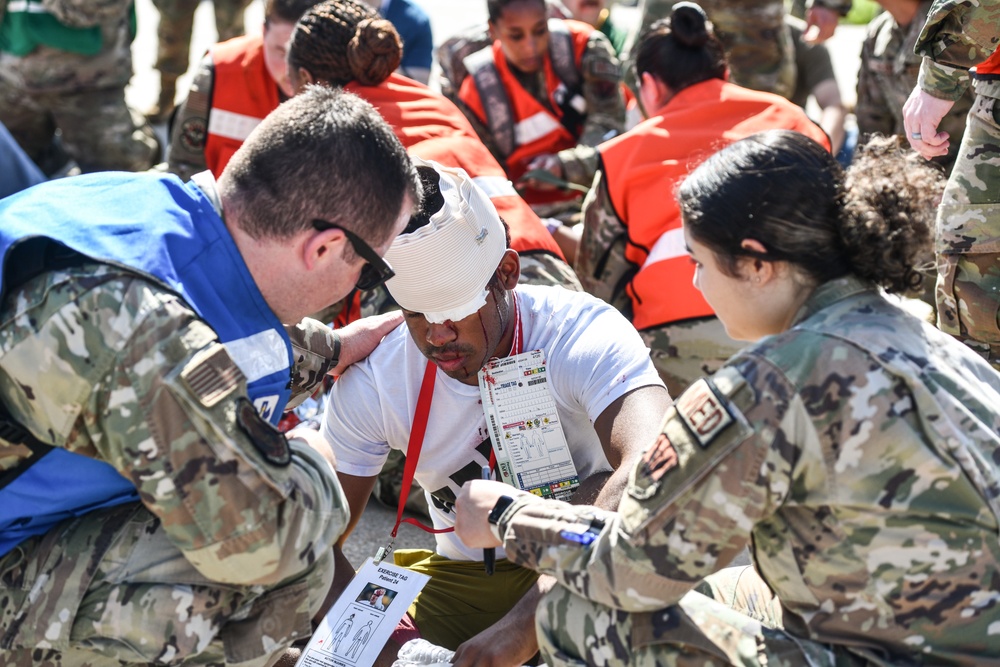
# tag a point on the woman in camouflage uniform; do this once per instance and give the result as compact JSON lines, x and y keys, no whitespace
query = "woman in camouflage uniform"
{"x":853,"y":448}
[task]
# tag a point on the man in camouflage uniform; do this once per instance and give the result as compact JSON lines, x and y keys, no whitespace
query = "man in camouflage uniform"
{"x":874,"y":526}
{"x":64,"y":65}
{"x":888,"y":73}
{"x":187,"y":529}
{"x":174,"y":42}
{"x":758,"y":44}
{"x":956,"y":37}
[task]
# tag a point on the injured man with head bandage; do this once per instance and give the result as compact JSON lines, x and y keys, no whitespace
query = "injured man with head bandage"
{"x":456,"y":281}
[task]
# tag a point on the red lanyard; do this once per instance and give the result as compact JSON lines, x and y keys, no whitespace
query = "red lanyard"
{"x":419,"y":427}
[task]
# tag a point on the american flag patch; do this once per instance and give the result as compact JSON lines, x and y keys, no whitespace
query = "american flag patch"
{"x":211,"y":375}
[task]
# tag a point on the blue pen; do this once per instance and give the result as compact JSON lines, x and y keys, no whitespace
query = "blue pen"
{"x":489,"y":555}
{"x":583,"y":537}
{"x":580,"y":538}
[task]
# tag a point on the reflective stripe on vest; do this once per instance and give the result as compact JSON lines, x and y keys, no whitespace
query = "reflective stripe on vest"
{"x":536,"y":127}
{"x":231,"y":125}
{"x":669,"y":246}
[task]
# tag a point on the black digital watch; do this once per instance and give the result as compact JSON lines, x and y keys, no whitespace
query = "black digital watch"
{"x":503,"y":502}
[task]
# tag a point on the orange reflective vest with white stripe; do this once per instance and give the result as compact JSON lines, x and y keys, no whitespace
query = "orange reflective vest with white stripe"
{"x":536,"y":129}
{"x":243,"y":93}
{"x":644,"y":166}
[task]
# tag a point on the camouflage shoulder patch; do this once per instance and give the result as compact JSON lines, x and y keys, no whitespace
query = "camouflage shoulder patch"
{"x":659,"y":459}
{"x":698,"y":431}
{"x":268,"y":440}
{"x":211,"y":375}
{"x":704,"y":413}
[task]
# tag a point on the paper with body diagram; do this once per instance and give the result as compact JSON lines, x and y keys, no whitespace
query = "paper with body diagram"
{"x":358,"y":625}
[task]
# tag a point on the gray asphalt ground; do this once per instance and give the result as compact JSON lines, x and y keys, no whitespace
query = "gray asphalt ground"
{"x":447,"y":17}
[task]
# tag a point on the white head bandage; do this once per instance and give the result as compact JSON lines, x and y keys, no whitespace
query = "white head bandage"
{"x":443,"y":267}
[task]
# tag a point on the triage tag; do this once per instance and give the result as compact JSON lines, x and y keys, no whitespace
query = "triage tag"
{"x":360,"y":622}
{"x":528,"y":439}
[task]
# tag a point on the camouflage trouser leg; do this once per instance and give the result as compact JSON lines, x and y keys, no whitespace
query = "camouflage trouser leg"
{"x":696,"y":632}
{"x":31,"y":125}
{"x":758,"y":44}
{"x":102,"y":132}
{"x":174,"y":35}
{"x":229,"y":18}
{"x":685,"y":351}
{"x":98,"y":128}
{"x":541,"y":268}
{"x":110,"y":589}
{"x":968,"y":236}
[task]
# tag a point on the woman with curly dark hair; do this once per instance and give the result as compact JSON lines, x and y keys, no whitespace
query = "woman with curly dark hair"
{"x":853,"y":448}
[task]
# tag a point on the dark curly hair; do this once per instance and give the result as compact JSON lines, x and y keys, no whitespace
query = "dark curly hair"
{"x":340,"y":41}
{"x":787,"y":192}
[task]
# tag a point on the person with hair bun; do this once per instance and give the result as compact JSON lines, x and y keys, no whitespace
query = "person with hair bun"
{"x":344,"y":43}
{"x":854,"y":448}
{"x":631,"y":252}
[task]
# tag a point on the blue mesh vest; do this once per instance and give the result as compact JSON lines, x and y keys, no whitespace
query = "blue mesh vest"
{"x":168,"y":232}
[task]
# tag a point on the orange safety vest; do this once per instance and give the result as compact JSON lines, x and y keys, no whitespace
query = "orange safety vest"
{"x":643,"y":167}
{"x":243,"y":93}
{"x":522,"y":127}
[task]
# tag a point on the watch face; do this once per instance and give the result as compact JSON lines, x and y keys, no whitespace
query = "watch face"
{"x":503,"y":502}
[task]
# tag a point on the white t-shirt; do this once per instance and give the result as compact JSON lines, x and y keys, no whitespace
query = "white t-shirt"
{"x":593,"y":355}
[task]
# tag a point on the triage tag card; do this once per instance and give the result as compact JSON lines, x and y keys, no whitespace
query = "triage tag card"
{"x":358,"y":625}
{"x":528,"y":439}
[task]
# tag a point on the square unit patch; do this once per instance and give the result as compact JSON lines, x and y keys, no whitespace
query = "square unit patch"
{"x":705,"y":414}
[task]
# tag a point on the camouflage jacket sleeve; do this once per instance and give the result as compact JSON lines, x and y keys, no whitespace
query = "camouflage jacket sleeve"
{"x":956,"y":36}
{"x":121,"y":370}
{"x":872,"y":109}
{"x":189,"y":129}
{"x":600,"y":259}
{"x":602,"y":77}
{"x":316,"y":349}
{"x":718,"y":468}
{"x":88,"y":13}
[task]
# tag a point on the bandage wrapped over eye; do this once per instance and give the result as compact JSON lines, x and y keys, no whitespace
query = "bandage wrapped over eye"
{"x":442,"y":268}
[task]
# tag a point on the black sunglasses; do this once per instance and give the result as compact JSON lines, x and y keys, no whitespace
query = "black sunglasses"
{"x":375,"y":271}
